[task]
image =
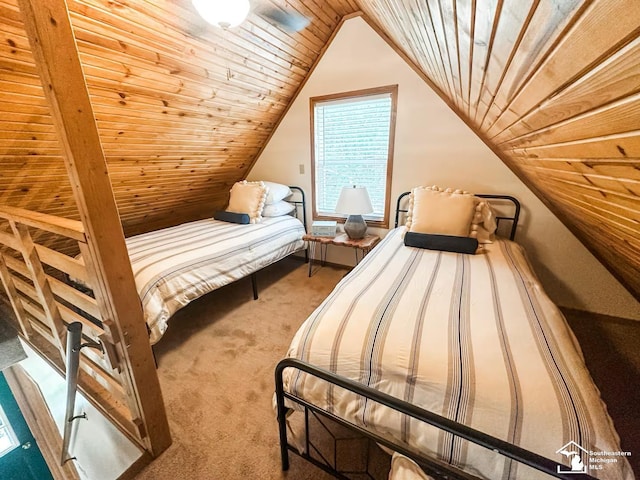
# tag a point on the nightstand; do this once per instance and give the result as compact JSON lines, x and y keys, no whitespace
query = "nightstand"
{"x":363,"y":245}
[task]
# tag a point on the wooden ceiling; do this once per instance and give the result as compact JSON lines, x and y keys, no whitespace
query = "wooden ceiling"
{"x":554,"y":88}
{"x":183,"y":108}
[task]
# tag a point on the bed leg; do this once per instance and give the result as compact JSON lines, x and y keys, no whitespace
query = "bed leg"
{"x":155,"y":359}
{"x":254,"y":284}
{"x":306,"y":255}
{"x":284,"y":451}
{"x":282,"y":418}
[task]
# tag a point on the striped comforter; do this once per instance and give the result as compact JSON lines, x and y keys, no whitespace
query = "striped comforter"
{"x":470,"y":337}
{"x":176,"y":265}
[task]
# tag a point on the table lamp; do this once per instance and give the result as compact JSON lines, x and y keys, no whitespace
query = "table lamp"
{"x":354,"y":202}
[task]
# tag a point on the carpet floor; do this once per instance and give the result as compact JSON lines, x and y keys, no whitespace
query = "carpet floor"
{"x":216,"y":365}
{"x":11,"y":350}
{"x":610,"y":347}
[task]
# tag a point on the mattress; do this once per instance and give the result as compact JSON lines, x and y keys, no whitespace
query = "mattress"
{"x":176,"y":265}
{"x":471,"y":337}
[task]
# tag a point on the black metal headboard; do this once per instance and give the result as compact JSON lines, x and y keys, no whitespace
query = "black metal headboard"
{"x":300,"y":204}
{"x":512,"y":218}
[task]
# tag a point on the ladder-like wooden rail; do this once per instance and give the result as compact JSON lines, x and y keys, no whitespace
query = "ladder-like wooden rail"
{"x":37,"y":281}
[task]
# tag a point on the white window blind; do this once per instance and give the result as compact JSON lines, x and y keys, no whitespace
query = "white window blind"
{"x":351,"y":140}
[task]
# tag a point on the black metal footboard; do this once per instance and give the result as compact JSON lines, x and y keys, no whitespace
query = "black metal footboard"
{"x":431,"y":466}
{"x":301,"y":205}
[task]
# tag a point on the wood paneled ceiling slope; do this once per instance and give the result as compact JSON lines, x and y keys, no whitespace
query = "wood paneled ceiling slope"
{"x":183,"y":108}
{"x":553,"y":86}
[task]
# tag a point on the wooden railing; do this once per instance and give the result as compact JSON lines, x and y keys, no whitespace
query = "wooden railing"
{"x":36,"y":279}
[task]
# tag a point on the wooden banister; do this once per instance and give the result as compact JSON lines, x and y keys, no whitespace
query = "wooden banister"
{"x":50,"y":223}
{"x":46,"y":305}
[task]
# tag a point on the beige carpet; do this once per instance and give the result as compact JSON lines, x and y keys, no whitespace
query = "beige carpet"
{"x":11,"y":350}
{"x":216,"y":365}
{"x":610,"y":347}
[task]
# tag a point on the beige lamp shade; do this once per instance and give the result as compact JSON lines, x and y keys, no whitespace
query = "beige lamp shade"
{"x":354,"y":201}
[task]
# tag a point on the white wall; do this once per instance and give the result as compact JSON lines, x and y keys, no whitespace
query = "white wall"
{"x":102,"y":451}
{"x":433,"y":146}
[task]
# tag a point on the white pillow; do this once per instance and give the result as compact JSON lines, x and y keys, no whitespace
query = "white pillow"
{"x":276,"y":192}
{"x":248,"y":197}
{"x":277,"y":209}
{"x":439,"y":211}
{"x":403,"y":468}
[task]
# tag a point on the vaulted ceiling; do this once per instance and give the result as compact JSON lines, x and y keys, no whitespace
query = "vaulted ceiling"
{"x":183,"y":109}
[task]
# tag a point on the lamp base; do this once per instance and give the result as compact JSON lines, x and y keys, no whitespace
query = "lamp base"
{"x":355,"y":227}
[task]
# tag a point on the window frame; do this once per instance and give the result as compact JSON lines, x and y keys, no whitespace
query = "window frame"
{"x":392,"y":90}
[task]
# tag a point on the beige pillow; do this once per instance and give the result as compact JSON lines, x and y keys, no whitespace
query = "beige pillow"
{"x":248,"y":197}
{"x":440,"y":211}
{"x":483,"y":223}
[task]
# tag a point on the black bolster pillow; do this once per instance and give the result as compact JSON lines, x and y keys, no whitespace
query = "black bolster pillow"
{"x":232,"y":217}
{"x":448,"y":243}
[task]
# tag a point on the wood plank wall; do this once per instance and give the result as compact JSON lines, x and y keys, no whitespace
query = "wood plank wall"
{"x":32,"y":173}
{"x":553,"y":86}
{"x":184,"y":108}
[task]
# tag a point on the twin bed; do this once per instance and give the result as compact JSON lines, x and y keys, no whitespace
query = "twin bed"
{"x":179,"y":264}
{"x":421,"y":349}
{"x":176,"y":265}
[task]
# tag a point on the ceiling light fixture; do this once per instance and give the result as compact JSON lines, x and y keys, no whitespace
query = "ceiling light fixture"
{"x":222,"y":13}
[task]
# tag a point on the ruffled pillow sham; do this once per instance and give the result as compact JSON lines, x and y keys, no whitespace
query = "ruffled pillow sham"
{"x":452,"y":212}
{"x":248,"y":197}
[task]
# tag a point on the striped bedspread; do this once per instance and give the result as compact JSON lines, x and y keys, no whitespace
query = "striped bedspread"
{"x":176,"y":265}
{"x":470,"y":337}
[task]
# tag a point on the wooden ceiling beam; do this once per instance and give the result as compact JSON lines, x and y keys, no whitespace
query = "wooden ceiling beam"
{"x":53,"y":44}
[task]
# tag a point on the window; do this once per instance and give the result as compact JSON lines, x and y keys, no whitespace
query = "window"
{"x":352,"y":144}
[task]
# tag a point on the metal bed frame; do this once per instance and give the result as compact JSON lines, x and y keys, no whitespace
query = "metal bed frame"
{"x":302,"y":203}
{"x":431,"y":466}
{"x":513,"y":218}
{"x":299,"y":204}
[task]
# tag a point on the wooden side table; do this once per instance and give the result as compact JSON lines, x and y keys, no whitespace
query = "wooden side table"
{"x":364,"y":245}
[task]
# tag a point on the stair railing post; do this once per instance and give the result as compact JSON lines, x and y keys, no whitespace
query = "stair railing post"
{"x":74,"y":345}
